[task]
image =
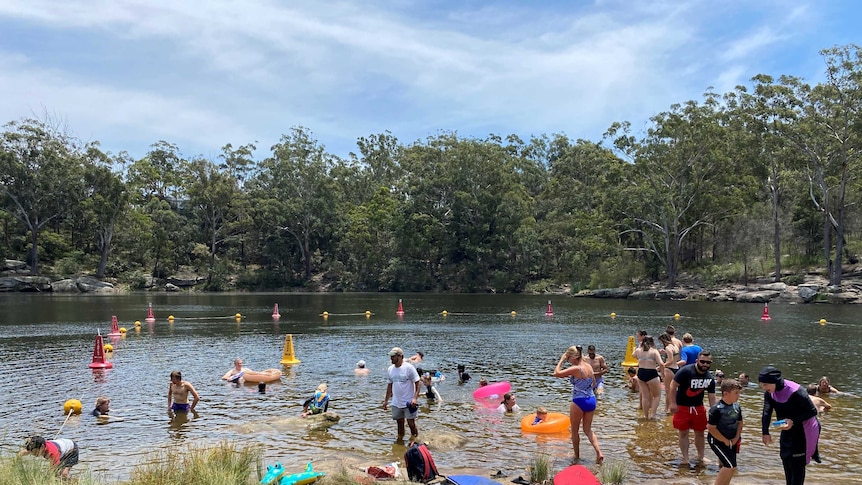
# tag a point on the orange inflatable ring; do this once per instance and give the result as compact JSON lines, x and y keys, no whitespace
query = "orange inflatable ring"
{"x":554,"y":423}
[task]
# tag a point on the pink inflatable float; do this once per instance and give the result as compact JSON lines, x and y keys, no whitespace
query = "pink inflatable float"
{"x":494,"y":390}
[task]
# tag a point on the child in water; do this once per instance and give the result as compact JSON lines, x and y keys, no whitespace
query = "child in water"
{"x":541,"y":415}
{"x":317,"y":403}
{"x":431,"y":390}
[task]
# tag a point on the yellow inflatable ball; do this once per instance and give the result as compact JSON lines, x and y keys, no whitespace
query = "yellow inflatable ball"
{"x":72,"y":406}
{"x":109,"y":348}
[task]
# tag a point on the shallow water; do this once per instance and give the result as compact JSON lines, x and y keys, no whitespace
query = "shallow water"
{"x":47,"y":342}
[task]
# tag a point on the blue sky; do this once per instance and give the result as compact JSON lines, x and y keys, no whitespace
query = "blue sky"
{"x":202,"y":74}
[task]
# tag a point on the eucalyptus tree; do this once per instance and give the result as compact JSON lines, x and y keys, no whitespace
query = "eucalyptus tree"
{"x":757,"y":123}
{"x":463,"y":208}
{"x":106,"y":200}
{"x":678,"y":182}
{"x":156,"y":191}
{"x":828,"y":133}
{"x":293,"y":191}
{"x":577,"y":232}
{"x":41,"y":176}
{"x":211,"y":195}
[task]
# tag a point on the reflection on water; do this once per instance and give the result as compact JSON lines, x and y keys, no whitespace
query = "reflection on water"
{"x":48,"y":341}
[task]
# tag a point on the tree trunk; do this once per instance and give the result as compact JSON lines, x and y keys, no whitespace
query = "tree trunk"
{"x":105,"y":250}
{"x":776,"y":229}
{"x":34,"y":250}
{"x":835,"y":277}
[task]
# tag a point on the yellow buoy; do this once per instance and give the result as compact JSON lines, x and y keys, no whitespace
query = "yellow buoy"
{"x":325,"y":314}
{"x":613,"y":315}
{"x":822,"y":321}
{"x":289,"y":356}
{"x":630,"y":360}
{"x":444,"y":313}
{"x":72,"y":406}
{"x":123,"y":330}
{"x":367,"y":313}
{"x":676,"y":316}
{"x":170,"y":318}
{"x":514,"y":313}
{"x":108,"y":348}
{"x":137,"y":323}
{"x":238,"y":316}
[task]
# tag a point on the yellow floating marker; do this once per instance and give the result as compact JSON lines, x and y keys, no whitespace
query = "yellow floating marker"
{"x":514,"y":313}
{"x":137,"y":324}
{"x":444,"y":313}
{"x":72,"y":406}
{"x":630,"y":360}
{"x":822,"y":321}
{"x":367,"y":313}
{"x":109,"y":348}
{"x":325,"y":314}
{"x":676,"y":316}
{"x":289,"y":356}
{"x":238,"y":317}
{"x":123,"y":330}
{"x":613,"y":315}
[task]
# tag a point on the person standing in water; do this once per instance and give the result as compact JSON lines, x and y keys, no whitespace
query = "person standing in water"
{"x":800,"y":431}
{"x":600,"y":368}
{"x":178,"y":394}
{"x":583,"y":405}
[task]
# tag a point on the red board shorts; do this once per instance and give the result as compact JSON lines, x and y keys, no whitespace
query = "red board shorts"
{"x":690,"y":417}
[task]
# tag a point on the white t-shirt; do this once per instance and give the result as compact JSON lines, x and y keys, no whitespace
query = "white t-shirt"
{"x":403,"y":381}
{"x":502,"y":408}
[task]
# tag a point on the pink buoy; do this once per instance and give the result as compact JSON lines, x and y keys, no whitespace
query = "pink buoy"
{"x":765,"y":315}
{"x":550,"y":311}
{"x":151,"y":317}
{"x":115,"y":327}
{"x":275,"y":313}
{"x":99,"y":361}
{"x":400,"y":308}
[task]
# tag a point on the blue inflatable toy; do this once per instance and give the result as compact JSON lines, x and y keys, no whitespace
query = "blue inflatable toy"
{"x":304,"y":478}
{"x":273,"y":473}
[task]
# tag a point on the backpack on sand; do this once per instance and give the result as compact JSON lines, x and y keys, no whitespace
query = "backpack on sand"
{"x":420,"y":464}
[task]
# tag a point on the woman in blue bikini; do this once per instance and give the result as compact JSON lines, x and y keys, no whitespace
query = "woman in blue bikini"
{"x":583,"y":406}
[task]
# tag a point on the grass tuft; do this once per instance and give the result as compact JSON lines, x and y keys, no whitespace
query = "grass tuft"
{"x":540,"y":468}
{"x":223,"y":464}
{"x":613,"y":473}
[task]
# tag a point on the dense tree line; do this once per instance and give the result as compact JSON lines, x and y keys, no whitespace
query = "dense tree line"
{"x":730,"y":186}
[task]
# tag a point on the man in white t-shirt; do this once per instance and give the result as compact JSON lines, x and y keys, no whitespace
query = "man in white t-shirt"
{"x":402,"y":392}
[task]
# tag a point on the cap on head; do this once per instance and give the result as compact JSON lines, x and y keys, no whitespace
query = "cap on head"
{"x":769,"y":375}
{"x":396,"y":351}
{"x":34,"y":443}
{"x":360,"y":364}
{"x":719,"y":373}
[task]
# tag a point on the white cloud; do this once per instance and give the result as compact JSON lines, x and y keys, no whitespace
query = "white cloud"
{"x":236,"y":71}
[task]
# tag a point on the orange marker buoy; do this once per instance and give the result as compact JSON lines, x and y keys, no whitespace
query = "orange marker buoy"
{"x":99,"y":361}
{"x":765,"y":315}
{"x":275,"y":313}
{"x":400,"y":308}
{"x":550,"y":311}
{"x":115,"y":327}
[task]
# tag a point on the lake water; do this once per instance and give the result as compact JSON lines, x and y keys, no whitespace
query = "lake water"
{"x":47,"y":343}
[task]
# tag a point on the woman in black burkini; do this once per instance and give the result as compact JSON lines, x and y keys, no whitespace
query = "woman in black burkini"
{"x":801,"y":430}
